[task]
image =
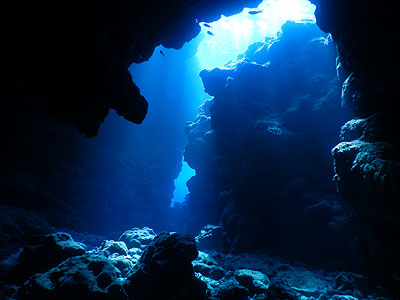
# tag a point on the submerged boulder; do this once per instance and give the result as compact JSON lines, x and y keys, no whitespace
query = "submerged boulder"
{"x":165,"y":270}
{"x":110,"y":247}
{"x":212,"y":237}
{"x":255,"y":281}
{"x":231,"y":291}
{"x":45,"y":252}
{"x":367,"y":175}
{"x":89,"y":276}
{"x":138,"y":237}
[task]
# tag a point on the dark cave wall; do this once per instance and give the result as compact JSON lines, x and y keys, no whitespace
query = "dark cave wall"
{"x":74,"y":56}
{"x":72,"y":64}
{"x":121,"y":178}
{"x":261,"y":150}
{"x":367,"y":162}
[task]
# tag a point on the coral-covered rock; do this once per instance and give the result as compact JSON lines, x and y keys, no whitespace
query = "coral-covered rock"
{"x":367,"y":167}
{"x":138,"y":237}
{"x":255,"y":281}
{"x":46,"y":252}
{"x":110,"y":247}
{"x":17,"y":225}
{"x":208,"y":267}
{"x":212,"y":237}
{"x":90,"y":276}
{"x":165,"y":271}
{"x":231,"y":292}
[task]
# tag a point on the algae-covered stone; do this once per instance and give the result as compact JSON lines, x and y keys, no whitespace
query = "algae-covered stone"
{"x":255,"y":281}
{"x":138,"y":237}
{"x":89,"y":276}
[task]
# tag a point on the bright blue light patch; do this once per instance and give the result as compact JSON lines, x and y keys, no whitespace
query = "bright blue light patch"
{"x":181,"y":189}
{"x":230,"y":36}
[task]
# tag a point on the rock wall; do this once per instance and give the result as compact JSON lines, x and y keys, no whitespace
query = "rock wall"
{"x":367,"y":160}
{"x":73,"y":57}
{"x":261,"y":150}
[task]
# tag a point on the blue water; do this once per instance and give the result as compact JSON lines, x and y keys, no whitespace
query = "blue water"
{"x":181,"y":189}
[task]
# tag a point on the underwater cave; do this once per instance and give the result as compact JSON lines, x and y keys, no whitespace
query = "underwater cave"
{"x":205,"y":150}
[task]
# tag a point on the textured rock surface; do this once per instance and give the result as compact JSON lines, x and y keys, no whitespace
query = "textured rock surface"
{"x":89,"y":276}
{"x":137,"y":237}
{"x":45,"y":252}
{"x":86,"y":53}
{"x":366,"y":162}
{"x":17,"y":225}
{"x":368,"y":66}
{"x":255,"y":281}
{"x":165,"y":271}
{"x":367,"y":167}
{"x":212,"y":237}
{"x":261,"y":150}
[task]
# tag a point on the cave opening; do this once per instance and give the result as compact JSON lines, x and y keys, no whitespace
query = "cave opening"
{"x":222,"y":41}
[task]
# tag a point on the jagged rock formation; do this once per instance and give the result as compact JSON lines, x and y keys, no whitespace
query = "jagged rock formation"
{"x":76,"y":61}
{"x":367,"y":167}
{"x":261,"y":149}
{"x":367,"y":161}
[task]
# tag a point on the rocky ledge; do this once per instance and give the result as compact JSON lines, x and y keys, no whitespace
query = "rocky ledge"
{"x":146,"y":265}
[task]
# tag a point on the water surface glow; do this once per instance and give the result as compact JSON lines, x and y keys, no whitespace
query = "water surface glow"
{"x":224,"y":39}
{"x":229,"y":36}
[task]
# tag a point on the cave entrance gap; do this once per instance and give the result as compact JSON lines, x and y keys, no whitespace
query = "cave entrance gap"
{"x":222,"y":41}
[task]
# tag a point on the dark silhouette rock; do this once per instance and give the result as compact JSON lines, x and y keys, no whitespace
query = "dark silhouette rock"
{"x":255,"y":281}
{"x":90,"y":276}
{"x":212,"y":237}
{"x":165,"y":270}
{"x":86,"y":53}
{"x":45,"y":252}
{"x":367,"y":167}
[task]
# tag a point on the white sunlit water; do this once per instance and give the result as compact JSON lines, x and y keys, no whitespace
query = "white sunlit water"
{"x":226,"y":38}
{"x":230,"y":36}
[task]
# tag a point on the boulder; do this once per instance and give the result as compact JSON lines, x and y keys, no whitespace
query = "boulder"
{"x":111,"y":247}
{"x":212,"y":237}
{"x":138,"y":237}
{"x":165,"y":271}
{"x":229,"y":290}
{"x":255,"y":281}
{"x":45,"y":252}
{"x":89,"y":276}
{"x":208,"y":267}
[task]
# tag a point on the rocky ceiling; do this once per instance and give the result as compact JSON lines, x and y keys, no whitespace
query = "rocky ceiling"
{"x":73,"y":56}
